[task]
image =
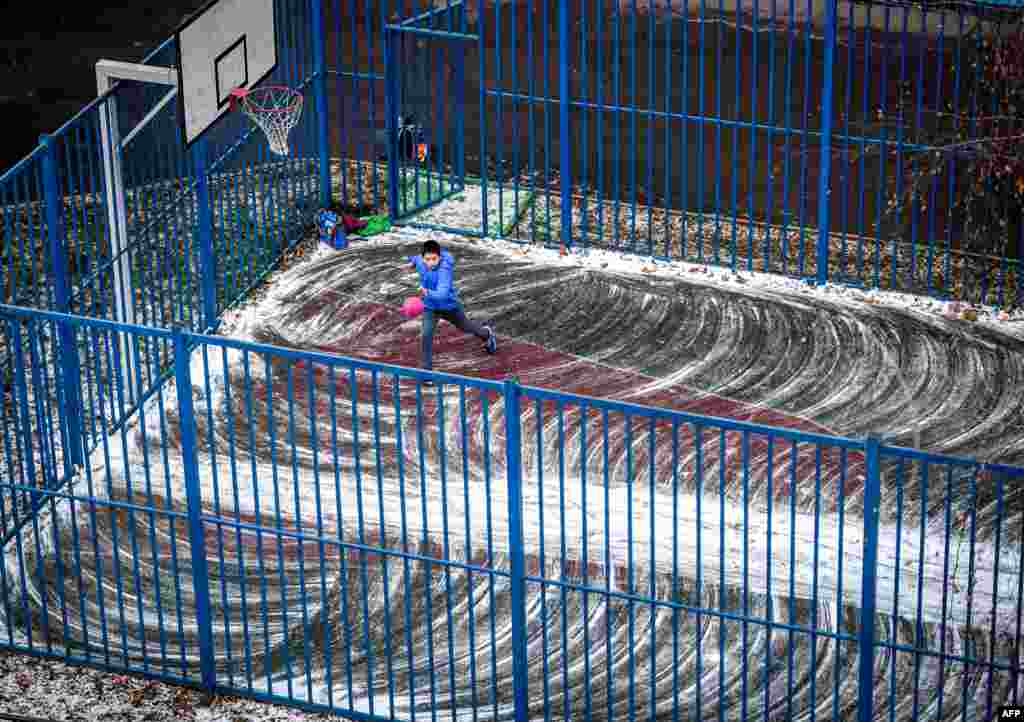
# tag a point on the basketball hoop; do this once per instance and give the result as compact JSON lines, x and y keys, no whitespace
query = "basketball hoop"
{"x":274,"y":108}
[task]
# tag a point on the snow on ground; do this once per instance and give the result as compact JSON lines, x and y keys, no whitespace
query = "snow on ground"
{"x":1008,"y":323}
{"x":40,"y":691}
{"x":240,"y":323}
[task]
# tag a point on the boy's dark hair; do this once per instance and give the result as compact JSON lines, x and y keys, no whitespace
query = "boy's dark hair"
{"x":431,"y":246}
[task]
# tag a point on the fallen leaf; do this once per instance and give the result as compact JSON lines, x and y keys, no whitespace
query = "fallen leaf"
{"x":148,"y":691}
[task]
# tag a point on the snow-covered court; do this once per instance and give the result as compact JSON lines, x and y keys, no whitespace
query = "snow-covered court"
{"x":357,"y":524}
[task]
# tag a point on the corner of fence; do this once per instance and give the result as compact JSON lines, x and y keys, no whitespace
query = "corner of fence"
{"x":517,"y":556}
{"x":869,"y":579}
{"x":69,"y":403}
{"x":193,"y":496}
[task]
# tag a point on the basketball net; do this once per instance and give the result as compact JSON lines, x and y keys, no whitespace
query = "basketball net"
{"x":274,"y":108}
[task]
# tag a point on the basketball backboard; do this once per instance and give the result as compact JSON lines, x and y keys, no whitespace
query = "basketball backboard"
{"x":227,"y":44}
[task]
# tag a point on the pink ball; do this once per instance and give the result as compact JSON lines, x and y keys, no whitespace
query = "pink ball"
{"x":412,"y":307}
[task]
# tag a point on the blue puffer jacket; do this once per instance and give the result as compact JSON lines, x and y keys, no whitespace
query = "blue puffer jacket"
{"x":440,"y":282}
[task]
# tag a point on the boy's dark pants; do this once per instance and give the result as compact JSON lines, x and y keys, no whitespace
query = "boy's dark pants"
{"x":455,"y":316}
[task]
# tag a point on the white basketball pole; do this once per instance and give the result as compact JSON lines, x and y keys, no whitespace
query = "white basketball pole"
{"x":108,"y":72}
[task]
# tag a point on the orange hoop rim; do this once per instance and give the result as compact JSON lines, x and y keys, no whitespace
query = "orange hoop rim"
{"x":238,"y":95}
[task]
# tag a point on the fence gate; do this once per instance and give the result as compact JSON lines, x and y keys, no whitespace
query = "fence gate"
{"x":425,"y":60}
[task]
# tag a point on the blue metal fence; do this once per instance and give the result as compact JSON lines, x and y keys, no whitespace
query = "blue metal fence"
{"x":480,"y":82}
{"x":332,"y":533}
{"x":828,"y":141}
{"x":328,"y":532}
{"x":198,"y":230}
{"x":678,"y":136}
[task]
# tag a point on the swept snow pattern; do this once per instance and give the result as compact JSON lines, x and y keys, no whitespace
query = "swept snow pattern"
{"x":695,"y":545}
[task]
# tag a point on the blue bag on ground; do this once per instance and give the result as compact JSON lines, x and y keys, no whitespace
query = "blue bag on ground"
{"x":332,"y":232}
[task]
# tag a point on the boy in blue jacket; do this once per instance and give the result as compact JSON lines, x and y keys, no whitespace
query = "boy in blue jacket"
{"x":441,"y":299}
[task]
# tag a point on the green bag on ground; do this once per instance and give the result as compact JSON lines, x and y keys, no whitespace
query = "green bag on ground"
{"x":375,"y":225}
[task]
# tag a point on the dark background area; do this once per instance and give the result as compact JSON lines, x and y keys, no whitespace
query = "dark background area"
{"x":48,"y":61}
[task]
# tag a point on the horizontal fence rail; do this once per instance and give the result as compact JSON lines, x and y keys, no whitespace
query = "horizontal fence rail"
{"x":334,"y":533}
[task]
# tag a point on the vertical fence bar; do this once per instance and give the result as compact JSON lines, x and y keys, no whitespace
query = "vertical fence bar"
{"x":204,"y":220}
{"x":565,"y":156}
{"x":459,"y":78}
{"x":21,"y":383}
{"x":482,"y":70}
{"x":117,"y":214}
{"x":824,"y":180}
{"x":197,"y":540}
{"x":70,"y":403}
{"x":391,"y":110}
{"x":320,"y":90}
{"x":513,"y":454}
{"x":872,"y":493}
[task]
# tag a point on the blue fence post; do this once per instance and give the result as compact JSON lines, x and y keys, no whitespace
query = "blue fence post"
{"x":460,"y":100}
{"x":68,"y":399}
{"x":824,"y":179}
{"x":565,"y":155}
{"x":872,"y":500}
{"x":513,"y":473}
{"x":194,"y":500}
{"x":207,"y":259}
{"x":481,"y":49}
{"x":391,"y":110}
{"x":320,"y":90}
{"x":21,"y":390}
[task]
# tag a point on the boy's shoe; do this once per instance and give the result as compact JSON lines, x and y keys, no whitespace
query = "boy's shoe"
{"x":492,"y":340}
